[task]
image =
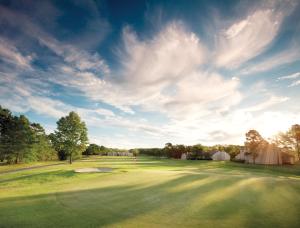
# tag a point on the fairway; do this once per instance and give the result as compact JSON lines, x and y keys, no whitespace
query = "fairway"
{"x":150,"y":192}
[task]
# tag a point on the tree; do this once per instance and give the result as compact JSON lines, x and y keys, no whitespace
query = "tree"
{"x":70,"y":136}
{"x":196,"y":152}
{"x":5,"y":123}
{"x":20,"y":139}
{"x":253,"y":142}
{"x":295,"y":130}
{"x":175,"y":151}
{"x":94,"y":149}
{"x":159,"y":152}
{"x":41,"y":148}
{"x":135,"y":152}
{"x":232,"y":150}
{"x":168,"y":149}
{"x":290,"y":140}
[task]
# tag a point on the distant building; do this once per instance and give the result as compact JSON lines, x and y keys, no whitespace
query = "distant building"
{"x":128,"y":154}
{"x":220,"y":156}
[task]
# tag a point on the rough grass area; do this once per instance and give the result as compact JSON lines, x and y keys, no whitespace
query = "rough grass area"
{"x":151,"y":193}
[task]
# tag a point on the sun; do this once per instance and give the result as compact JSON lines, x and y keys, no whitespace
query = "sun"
{"x":273,"y":122}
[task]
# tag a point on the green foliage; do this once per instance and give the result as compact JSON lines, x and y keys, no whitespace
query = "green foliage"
{"x":195,"y":152}
{"x":22,"y":141}
{"x":70,"y":138}
{"x":158,"y":152}
{"x":6,"y":120}
{"x":175,"y":151}
{"x":232,"y":150}
{"x":19,"y":140}
{"x":135,"y":152}
{"x":94,"y":149}
{"x":253,"y":143}
{"x":41,"y":149}
{"x":295,"y":131}
{"x":290,"y":140}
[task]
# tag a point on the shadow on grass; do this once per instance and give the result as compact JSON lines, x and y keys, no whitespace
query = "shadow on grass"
{"x":41,"y":177}
{"x":186,"y":200}
{"x":32,"y":167}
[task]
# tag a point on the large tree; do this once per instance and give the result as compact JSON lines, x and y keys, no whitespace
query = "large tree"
{"x":6,"y":120}
{"x":253,"y":143}
{"x":70,"y":136}
{"x":18,"y":139}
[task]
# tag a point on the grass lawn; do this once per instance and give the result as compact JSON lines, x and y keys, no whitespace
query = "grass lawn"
{"x":150,"y":193}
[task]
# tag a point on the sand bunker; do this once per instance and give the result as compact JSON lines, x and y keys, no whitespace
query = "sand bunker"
{"x":94,"y":170}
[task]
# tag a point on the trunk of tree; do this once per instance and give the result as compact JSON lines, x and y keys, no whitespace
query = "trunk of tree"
{"x":17,"y":159}
{"x":70,"y":159}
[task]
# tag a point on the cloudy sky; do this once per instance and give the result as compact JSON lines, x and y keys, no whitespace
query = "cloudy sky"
{"x":143,"y":73}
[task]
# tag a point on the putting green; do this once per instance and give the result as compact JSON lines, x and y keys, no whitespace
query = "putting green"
{"x":151,"y":193}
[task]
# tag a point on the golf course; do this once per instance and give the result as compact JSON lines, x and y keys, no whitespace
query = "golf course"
{"x":149,"y":192}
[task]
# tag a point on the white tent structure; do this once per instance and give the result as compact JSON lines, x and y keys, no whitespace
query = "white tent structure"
{"x":183,"y":156}
{"x":220,"y":156}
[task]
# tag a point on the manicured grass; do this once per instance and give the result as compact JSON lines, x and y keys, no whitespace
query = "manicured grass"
{"x":151,"y":193}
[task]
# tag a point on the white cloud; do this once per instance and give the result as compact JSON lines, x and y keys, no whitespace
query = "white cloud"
{"x":295,"y":83}
{"x":248,"y":37}
{"x":284,"y":57}
{"x":168,"y":56}
{"x":292,"y":77}
{"x":79,"y":59}
{"x":22,"y":99}
{"x":10,"y":54}
{"x":118,"y":141}
{"x":269,"y":102}
{"x":164,"y":73}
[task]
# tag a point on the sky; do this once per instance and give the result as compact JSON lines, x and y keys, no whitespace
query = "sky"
{"x":143,"y":73}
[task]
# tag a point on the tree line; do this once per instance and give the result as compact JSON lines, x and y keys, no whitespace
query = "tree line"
{"x":24,"y":141}
{"x":94,"y":149}
{"x":288,"y":142}
{"x":195,"y":152}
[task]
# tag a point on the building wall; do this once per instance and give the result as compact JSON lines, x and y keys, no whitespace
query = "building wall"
{"x":268,"y":155}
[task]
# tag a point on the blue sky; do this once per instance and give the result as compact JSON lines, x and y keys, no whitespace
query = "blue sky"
{"x":143,"y":73}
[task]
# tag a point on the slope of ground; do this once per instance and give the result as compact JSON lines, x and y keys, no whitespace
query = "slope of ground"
{"x":150,"y":192}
